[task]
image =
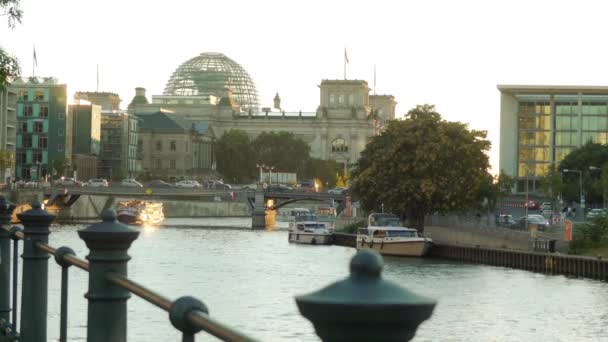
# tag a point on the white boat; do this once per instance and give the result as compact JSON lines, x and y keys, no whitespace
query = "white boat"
{"x":308,"y":230}
{"x":385,"y":235}
{"x":291,"y":215}
{"x":140,"y":212}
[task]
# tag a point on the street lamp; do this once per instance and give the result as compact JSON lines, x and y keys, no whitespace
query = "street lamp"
{"x":270,"y":168}
{"x":604,"y":192}
{"x":261,"y":167}
{"x":580,"y":187}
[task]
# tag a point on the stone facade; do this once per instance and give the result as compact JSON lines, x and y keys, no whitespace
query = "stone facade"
{"x":338,"y":130}
{"x":172,"y":148}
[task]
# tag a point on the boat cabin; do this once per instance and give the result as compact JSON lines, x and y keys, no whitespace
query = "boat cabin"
{"x":388,"y":232}
{"x":383,"y":220}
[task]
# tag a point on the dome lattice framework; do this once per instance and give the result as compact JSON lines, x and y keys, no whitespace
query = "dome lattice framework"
{"x":208,"y":74}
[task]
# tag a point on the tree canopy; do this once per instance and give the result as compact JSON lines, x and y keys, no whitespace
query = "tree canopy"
{"x":9,"y":66}
{"x":590,"y":159}
{"x":421,"y":165}
{"x":237,"y":156}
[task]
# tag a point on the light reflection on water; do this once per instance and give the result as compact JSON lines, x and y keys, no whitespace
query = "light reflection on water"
{"x":248,"y":281}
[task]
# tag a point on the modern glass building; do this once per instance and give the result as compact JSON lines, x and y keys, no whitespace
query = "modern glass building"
{"x":540,"y":125}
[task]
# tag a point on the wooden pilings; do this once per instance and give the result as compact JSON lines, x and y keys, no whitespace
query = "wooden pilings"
{"x":550,"y":263}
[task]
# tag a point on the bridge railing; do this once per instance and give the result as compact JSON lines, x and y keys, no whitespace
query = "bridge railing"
{"x":337,"y":310}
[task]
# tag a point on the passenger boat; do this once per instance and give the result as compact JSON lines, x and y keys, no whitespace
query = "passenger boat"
{"x":385,"y":235}
{"x":140,"y":212}
{"x":308,"y":230}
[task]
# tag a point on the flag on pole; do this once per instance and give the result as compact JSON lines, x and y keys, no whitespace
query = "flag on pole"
{"x":35,"y":59}
{"x":345,"y":56}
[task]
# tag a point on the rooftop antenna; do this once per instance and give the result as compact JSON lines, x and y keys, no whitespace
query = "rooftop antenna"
{"x":34,"y":63}
{"x":374,"y":79}
{"x":97,"y":87}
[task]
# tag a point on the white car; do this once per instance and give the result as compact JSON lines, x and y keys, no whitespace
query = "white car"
{"x":98,"y":183}
{"x":131,"y":183}
{"x":66,"y":181}
{"x":188,"y":184}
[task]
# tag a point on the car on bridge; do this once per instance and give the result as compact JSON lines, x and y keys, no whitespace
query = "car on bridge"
{"x":278,"y":188}
{"x":307,"y":186}
{"x":67,"y":181}
{"x":188,"y":184}
{"x":130,"y":183}
{"x":540,"y":222}
{"x":158,"y":184}
{"x":97,"y":183}
{"x":217,"y":184}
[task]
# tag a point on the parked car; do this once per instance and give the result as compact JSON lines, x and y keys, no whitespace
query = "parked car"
{"x":188,"y":184}
{"x":67,"y":181}
{"x":540,"y":222}
{"x":593,"y":213}
{"x":336,"y":191}
{"x":532,"y":205}
{"x":97,"y":183}
{"x":252,"y":186}
{"x":506,"y":220}
{"x":216,"y":184}
{"x":307,"y":186}
{"x":131,"y":183}
{"x":278,"y":188}
{"x":158,"y":184}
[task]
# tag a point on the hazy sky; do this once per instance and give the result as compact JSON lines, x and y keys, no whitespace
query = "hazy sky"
{"x":448,"y":53}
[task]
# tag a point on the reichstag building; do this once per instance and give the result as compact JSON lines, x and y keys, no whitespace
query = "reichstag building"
{"x":213,"y":89}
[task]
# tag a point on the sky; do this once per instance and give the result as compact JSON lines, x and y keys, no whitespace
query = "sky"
{"x":448,"y":53}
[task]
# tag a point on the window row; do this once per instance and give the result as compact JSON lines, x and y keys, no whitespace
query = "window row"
{"x":341,"y":99}
{"x":543,"y":122}
{"x":563,"y":108}
{"x":339,"y":145}
{"x":38,"y":95}
{"x":37,"y":158}
{"x":43,"y":112}
{"x":159,"y":164}
{"x":28,"y":141}
{"x":172,"y":145}
{"x":534,"y":138}
{"x":529,"y":154}
{"x":533,"y":169}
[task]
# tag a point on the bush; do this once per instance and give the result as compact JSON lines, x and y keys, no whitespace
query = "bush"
{"x":352,"y":228}
{"x":590,"y":235}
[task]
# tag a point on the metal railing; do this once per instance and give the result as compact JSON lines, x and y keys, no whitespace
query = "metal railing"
{"x":110,"y":288}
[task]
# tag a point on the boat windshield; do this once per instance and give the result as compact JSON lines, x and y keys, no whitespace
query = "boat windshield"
{"x":306,"y":217}
{"x":314,"y":225}
{"x":401,"y":233}
{"x":388,"y":221}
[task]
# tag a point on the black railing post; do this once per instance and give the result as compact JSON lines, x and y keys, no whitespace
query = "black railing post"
{"x":60,"y":253}
{"x":364,"y":307}
{"x":108,"y":243}
{"x":6,"y":213}
{"x":34,"y":284}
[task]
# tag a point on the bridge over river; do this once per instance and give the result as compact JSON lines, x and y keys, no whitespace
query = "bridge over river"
{"x":76,"y":203}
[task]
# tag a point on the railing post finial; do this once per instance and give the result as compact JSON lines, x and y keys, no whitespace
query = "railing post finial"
{"x":179,"y":311}
{"x":6,"y":213}
{"x":34,"y":304}
{"x":108,"y":242}
{"x":365,"y":307}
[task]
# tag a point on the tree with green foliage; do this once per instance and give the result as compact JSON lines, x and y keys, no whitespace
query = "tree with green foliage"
{"x":61,"y":166}
{"x":235,"y":156}
{"x":422,"y":165}
{"x":283,"y":150}
{"x":9,"y":66}
{"x":590,"y":155}
{"x":552,"y":184}
{"x":323,"y":170}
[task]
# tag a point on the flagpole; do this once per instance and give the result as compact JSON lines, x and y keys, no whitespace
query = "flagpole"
{"x":374,"y":79}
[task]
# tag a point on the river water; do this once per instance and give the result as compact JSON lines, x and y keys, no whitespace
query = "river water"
{"x":249,"y":279}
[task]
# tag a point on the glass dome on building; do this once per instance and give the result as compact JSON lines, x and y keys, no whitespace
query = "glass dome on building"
{"x":209,"y":74}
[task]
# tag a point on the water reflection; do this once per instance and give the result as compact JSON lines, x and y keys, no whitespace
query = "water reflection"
{"x":249,"y":280}
{"x":271,"y":220}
